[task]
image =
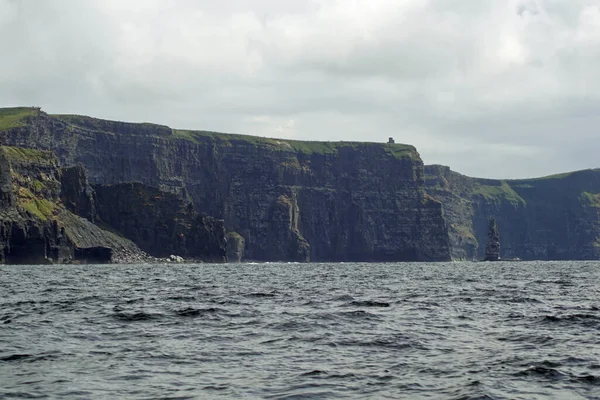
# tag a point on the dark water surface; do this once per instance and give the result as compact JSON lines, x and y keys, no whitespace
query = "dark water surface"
{"x":302,"y":331}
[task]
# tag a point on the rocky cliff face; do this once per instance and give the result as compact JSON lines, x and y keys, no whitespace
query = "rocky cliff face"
{"x":550,"y":218}
{"x":492,"y":246}
{"x":287,"y":200}
{"x":35,"y":225}
{"x":161,"y":223}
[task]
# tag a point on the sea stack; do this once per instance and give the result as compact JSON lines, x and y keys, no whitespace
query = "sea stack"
{"x":492,"y":247}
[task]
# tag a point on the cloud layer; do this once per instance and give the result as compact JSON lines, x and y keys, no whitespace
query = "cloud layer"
{"x":491,"y":88}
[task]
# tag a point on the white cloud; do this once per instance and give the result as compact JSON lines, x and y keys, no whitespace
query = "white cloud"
{"x":470,"y":83}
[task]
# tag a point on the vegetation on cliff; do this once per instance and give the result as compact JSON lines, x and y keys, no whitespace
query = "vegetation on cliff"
{"x":552,"y":217}
{"x":16,"y":116}
{"x":47,"y":214}
{"x":297,"y":146}
{"x":228,"y":139}
{"x":344,"y":201}
{"x":35,"y":225}
{"x":297,"y":200}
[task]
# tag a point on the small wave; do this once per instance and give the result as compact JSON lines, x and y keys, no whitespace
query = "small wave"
{"x":215,"y":387}
{"x":290,"y":325}
{"x":29,"y":357}
{"x":549,"y":370}
{"x":226,"y":301}
{"x":540,"y":370}
{"x":182,"y":298}
{"x":357,"y":314}
{"x":15,"y":357}
{"x":344,"y":297}
{"x":589,"y":379}
{"x":316,"y":372}
{"x":21,"y":395}
{"x":196,"y":312}
{"x":368,"y":303}
{"x":527,"y":338}
{"x":389,"y":342}
{"x":522,"y":300}
{"x":136,"y":316}
{"x":261,"y":294}
{"x":585,"y":319}
{"x":562,"y":282}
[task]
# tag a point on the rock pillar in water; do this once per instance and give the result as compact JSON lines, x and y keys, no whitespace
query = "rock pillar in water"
{"x":492,"y":247}
{"x":235,"y":247}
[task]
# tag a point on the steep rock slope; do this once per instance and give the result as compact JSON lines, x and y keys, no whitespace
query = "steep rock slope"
{"x":555,"y":217}
{"x":284,"y":200}
{"x":36,"y":227}
{"x":161,"y":223}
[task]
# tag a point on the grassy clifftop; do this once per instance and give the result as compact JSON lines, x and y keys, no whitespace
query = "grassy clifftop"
{"x":300,"y":146}
{"x":226,"y":139}
{"x":14,"y":117}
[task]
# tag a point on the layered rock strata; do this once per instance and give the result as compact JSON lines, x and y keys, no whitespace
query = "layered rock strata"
{"x":551,"y":218}
{"x":35,"y":225}
{"x":287,"y":200}
{"x":160,"y":223}
{"x":492,"y":246}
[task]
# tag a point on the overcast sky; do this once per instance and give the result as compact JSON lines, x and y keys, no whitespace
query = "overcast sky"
{"x":492,"y":88}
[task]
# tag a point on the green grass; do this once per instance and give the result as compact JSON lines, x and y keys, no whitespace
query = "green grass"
{"x":463,"y":231}
{"x":498,"y":193}
{"x":591,"y":199}
{"x":81,"y":120}
{"x":523,"y":186}
{"x":558,"y":176}
{"x":15,"y":116}
{"x":38,"y":186}
{"x":397,"y":150}
{"x":40,"y":208}
{"x":28,"y":155}
{"x":31,"y":207}
{"x":114,"y":127}
{"x":526,"y":183}
{"x":231,"y":139}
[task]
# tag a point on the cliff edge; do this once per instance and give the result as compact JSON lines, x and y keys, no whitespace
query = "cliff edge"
{"x":550,"y":218}
{"x":282,"y":200}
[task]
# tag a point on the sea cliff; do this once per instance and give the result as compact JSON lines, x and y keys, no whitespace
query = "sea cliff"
{"x":282,"y":200}
{"x":36,"y":225}
{"x":550,"y":218}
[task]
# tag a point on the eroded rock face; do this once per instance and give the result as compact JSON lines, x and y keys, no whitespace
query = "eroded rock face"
{"x":76,"y":192}
{"x":35,"y":226}
{"x":47,"y":215}
{"x":161,"y":223}
{"x":235,"y":247}
{"x":550,"y":218}
{"x":288,"y":200}
{"x":492,"y":246}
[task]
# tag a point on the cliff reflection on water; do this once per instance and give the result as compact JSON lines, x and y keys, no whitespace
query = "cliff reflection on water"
{"x":448,"y":330}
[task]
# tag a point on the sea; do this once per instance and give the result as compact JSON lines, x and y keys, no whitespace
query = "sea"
{"x":504,"y":330}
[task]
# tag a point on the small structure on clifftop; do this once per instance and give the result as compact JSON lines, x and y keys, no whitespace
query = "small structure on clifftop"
{"x":391,"y":140}
{"x":492,"y":247}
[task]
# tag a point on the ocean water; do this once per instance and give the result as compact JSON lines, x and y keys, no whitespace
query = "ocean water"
{"x":528,"y":330}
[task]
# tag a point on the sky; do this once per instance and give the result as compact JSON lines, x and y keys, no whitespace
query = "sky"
{"x":492,"y":88}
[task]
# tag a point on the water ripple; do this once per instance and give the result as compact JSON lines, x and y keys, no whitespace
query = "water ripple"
{"x":301,"y":331}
